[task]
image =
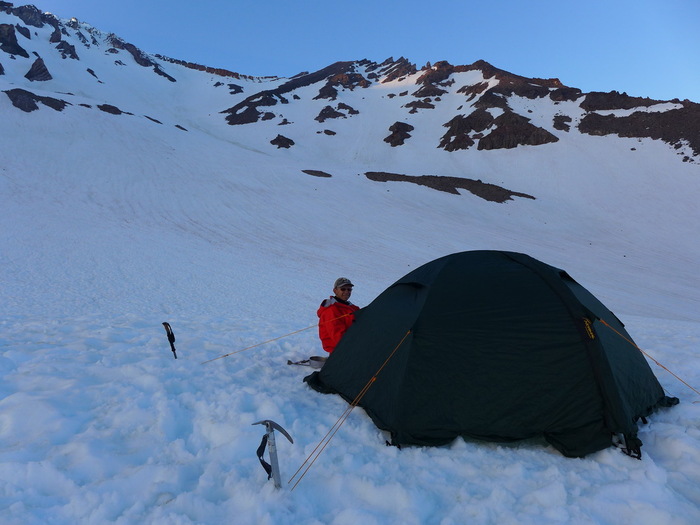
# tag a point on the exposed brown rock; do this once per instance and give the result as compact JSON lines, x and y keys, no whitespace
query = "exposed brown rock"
{"x":67,"y":50}
{"x":24,"y":31}
{"x":439,"y":72}
{"x":27,"y":101}
{"x":461,"y":128}
{"x":399,"y":133}
{"x":396,"y":69}
{"x":30,"y":15}
{"x":674,"y":126}
{"x":564,"y":94}
{"x":244,"y":111}
{"x":328,"y":112}
{"x":561,"y":122}
{"x":598,"y":101}
{"x":486,"y":191}
{"x":38,"y":72}
{"x":282,"y":142}
{"x":429,"y":90}
{"x":415,"y":105}
{"x":514,"y":130}
{"x":139,"y":56}
{"x":508,"y":78}
{"x":317,"y":173}
{"x":491,"y":99}
{"x":346,"y":80}
{"x":56,"y":36}
{"x":473,"y":90}
{"x":8,"y":41}
{"x":108,"y":108}
{"x":198,"y":67}
{"x":351,"y":111}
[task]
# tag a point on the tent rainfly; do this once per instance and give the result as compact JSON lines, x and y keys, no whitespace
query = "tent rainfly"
{"x":496,"y":346}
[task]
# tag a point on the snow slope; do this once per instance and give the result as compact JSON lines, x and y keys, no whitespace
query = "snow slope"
{"x":112,"y":224}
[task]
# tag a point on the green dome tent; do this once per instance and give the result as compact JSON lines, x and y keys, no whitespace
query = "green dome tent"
{"x":496,"y":346}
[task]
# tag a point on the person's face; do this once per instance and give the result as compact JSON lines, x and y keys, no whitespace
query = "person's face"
{"x":343,"y":292}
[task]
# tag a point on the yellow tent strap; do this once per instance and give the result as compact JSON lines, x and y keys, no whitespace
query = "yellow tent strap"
{"x":650,"y":357}
{"x":334,"y":429}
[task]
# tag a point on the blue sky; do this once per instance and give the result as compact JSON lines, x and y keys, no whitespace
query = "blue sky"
{"x":642,"y":47}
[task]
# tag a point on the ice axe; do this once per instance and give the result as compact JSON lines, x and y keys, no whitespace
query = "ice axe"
{"x":272,"y":468}
{"x":171,"y":338}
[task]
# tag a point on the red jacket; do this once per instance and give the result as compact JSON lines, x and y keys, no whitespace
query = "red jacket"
{"x":335,"y":318}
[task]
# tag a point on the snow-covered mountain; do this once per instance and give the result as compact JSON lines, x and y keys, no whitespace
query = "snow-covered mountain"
{"x":524,"y":148}
{"x":453,"y":108}
{"x":136,"y":189}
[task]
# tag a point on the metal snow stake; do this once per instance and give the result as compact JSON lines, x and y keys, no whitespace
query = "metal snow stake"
{"x":272,"y":468}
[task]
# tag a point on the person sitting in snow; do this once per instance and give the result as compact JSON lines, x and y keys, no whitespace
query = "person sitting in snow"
{"x":336,"y":314}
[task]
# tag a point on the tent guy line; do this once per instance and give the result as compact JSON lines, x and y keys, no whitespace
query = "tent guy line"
{"x":274,"y":339}
{"x":653,"y":359}
{"x":336,"y":426}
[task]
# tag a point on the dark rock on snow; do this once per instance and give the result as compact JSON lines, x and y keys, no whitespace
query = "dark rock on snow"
{"x":38,"y":72}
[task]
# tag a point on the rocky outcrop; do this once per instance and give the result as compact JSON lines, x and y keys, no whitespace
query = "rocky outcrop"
{"x":56,"y":36}
{"x":489,"y":192}
{"x":492,"y":99}
{"x":415,"y":105}
{"x":598,"y":101}
{"x":30,"y":15}
{"x":139,"y":56}
{"x":400,"y":132}
{"x":565,"y":94}
{"x":562,"y":122}
{"x":27,"y":101}
{"x":507,"y":131}
{"x":328,"y":113}
{"x":198,"y":67}
{"x":317,"y":173}
{"x":38,"y":72}
{"x":675,"y":127}
{"x":512,"y":130}
{"x":473,"y":90}
{"x":462,"y":131}
{"x":393,"y":69}
{"x":8,"y":41}
{"x":109,"y":108}
{"x":67,"y":50}
{"x":345,"y":80}
{"x":247,"y":111}
{"x":282,"y":142}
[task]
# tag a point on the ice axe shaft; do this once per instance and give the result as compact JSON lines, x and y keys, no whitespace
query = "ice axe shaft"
{"x":273,"y":468}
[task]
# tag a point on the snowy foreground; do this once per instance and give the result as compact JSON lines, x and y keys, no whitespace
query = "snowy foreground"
{"x":99,"y":424}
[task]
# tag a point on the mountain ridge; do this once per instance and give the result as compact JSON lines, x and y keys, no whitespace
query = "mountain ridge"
{"x":482,"y":101}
